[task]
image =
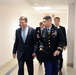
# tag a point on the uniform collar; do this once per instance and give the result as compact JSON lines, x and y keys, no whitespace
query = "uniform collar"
{"x":49,"y":28}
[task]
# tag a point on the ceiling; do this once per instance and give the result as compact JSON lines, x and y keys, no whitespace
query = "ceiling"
{"x":48,"y":2}
{"x":27,"y":5}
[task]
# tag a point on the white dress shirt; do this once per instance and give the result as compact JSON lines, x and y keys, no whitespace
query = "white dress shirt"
{"x":26,"y":32}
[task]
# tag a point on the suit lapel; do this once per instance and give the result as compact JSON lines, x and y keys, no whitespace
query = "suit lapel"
{"x":29,"y":30}
{"x":20,"y":35}
{"x":27,"y":34}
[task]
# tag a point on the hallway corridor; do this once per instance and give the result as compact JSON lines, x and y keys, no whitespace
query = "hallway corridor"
{"x":11,"y":67}
{"x":35,"y":10}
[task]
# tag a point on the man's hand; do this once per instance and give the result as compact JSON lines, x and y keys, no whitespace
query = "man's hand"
{"x":38,"y":36}
{"x":34,"y":55}
{"x":64,"y":47}
{"x":14,"y":55}
{"x":56,"y":53}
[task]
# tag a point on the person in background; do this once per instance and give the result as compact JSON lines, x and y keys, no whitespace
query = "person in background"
{"x":39,"y":34}
{"x":57,"y":24}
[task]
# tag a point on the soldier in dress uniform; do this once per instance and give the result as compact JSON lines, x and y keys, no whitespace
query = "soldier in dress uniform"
{"x":50,"y":47}
{"x":57,"y":21}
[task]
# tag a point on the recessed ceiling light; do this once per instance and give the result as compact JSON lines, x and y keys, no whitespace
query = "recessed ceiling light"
{"x":42,"y":8}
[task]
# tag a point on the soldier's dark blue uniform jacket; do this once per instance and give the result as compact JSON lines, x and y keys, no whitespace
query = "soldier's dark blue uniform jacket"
{"x":50,"y":42}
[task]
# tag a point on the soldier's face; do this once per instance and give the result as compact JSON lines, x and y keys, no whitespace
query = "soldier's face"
{"x":56,"y":21}
{"x":46,"y":22}
{"x":23,"y":23}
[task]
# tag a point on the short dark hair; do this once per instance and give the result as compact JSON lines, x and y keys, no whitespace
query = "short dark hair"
{"x":47,"y":17}
{"x":57,"y":18}
{"x":23,"y":18}
{"x":40,"y":23}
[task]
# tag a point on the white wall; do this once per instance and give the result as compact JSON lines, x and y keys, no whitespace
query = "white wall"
{"x":33,"y":20}
{"x":8,"y":24}
{"x":71,"y":17}
{"x":75,"y":41}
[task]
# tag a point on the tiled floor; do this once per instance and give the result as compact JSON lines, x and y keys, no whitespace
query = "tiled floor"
{"x":11,"y":68}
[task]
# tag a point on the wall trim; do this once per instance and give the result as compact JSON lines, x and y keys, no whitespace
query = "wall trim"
{"x":70,"y":64}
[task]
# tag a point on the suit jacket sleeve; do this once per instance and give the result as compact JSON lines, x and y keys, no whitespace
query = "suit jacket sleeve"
{"x":15,"y":44}
{"x":35,"y":41}
{"x":61,"y":40}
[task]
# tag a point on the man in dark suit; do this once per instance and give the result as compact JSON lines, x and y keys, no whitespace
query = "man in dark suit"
{"x":52,"y":44}
{"x":57,"y":24}
{"x":24,"y":46}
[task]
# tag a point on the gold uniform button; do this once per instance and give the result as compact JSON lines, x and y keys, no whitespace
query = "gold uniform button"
{"x":49,"y":46}
{"x":48,"y":40}
{"x":48,"y":32}
{"x":48,"y":43}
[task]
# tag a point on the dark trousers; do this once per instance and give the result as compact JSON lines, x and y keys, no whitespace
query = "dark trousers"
{"x":51,"y":67}
{"x":29,"y":64}
{"x":60,"y":63}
